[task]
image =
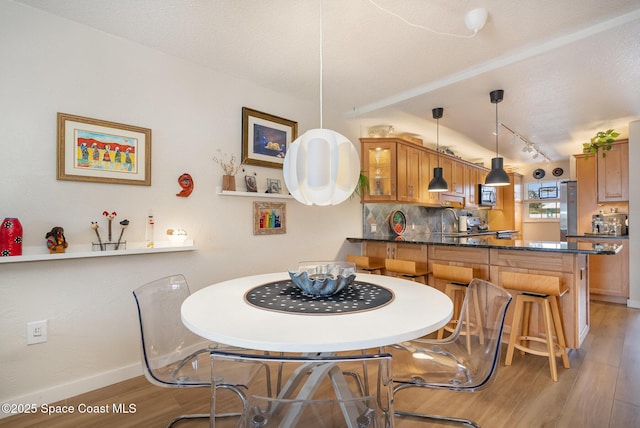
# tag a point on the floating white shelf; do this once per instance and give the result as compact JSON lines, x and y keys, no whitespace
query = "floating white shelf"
{"x":252,"y":194}
{"x":80,"y":251}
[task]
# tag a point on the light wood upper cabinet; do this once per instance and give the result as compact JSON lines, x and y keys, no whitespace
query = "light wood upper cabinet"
{"x":400,"y":171}
{"x":408,"y":170}
{"x":379,"y":165}
{"x":458,"y":178}
{"x":613,"y":174}
{"x":591,"y":186}
{"x":428,"y":161}
{"x":471,"y":187}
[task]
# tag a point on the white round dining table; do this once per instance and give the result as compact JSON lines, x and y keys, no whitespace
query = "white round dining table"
{"x":220,"y":313}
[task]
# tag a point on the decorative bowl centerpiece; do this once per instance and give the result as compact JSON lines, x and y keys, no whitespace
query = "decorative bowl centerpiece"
{"x":323,"y":278}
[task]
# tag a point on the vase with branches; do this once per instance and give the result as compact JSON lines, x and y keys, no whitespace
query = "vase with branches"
{"x":230,"y":166}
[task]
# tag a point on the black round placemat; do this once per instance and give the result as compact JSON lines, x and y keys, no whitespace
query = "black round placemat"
{"x":284,"y":296}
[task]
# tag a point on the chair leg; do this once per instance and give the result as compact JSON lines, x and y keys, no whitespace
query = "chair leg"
{"x":478,"y":326}
{"x":557,"y":322}
{"x":550,"y":345}
{"x":439,"y":418}
{"x":515,"y":332}
{"x":526,"y":319}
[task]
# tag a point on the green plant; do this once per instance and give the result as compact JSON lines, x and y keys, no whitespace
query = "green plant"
{"x":602,"y":140}
{"x":362,"y":188}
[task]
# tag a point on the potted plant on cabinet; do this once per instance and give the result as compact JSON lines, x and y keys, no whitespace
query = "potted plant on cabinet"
{"x":602,"y":140}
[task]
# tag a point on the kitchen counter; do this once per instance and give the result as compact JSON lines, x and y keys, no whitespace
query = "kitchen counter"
{"x":494,"y":243}
{"x":489,"y":257}
{"x":599,"y":236}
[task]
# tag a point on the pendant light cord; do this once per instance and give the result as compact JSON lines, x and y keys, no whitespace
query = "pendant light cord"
{"x":438,"y":140}
{"x":496,"y":129}
{"x":321,"y":32}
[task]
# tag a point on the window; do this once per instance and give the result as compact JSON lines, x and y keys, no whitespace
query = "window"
{"x":542,"y":201}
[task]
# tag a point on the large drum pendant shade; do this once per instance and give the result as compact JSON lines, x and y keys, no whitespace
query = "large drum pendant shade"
{"x":321,"y":167}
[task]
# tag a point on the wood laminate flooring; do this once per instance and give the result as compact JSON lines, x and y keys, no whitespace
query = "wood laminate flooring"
{"x":602,"y":389}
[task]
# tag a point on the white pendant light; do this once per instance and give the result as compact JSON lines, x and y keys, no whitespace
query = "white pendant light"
{"x":321,"y":167}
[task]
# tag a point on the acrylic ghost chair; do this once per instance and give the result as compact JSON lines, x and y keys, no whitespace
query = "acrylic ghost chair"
{"x":318,"y":390}
{"x":454,"y":363}
{"x":172,"y":356}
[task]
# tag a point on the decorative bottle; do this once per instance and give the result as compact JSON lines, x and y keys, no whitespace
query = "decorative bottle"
{"x":150,"y":224}
{"x":11,"y":237}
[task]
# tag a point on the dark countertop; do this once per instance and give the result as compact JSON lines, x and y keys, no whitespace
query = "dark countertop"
{"x":505,"y":244}
{"x":599,"y":236}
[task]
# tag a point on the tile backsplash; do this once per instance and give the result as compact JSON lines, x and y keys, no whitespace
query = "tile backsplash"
{"x":419,"y":219}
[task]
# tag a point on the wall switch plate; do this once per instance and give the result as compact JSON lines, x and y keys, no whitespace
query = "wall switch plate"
{"x":36,"y":332}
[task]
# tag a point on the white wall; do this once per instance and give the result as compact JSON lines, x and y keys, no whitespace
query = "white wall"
{"x":51,"y":65}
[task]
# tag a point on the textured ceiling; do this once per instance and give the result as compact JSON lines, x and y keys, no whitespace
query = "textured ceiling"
{"x":568,"y":67}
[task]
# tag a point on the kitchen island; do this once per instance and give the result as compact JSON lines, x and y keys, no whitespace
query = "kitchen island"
{"x":489,"y":257}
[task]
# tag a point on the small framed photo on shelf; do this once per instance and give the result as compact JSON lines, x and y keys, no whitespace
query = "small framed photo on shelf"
{"x":273,"y":185}
{"x":250,"y":181}
{"x":269,"y":218}
{"x":266,"y":138}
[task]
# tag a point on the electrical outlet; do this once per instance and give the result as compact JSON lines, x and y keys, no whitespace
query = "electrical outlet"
{"x":36,"y":332}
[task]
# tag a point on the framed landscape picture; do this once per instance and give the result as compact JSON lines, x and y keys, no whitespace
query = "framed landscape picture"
{"x":266,"y":138}
{"x":269,"y":218}
{"x":101,"y":151}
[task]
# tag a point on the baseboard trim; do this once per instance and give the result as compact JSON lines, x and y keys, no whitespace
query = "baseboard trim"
{"x":80,"y":386}
{"x":633,"y":304}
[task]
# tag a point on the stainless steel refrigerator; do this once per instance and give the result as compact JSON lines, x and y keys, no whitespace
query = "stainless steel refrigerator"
{"x":568,"y":209}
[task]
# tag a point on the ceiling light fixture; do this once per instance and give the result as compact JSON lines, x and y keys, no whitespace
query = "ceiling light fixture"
{"x":476,"y":18}
{"x":321,"y":167}
{"x":497,"y":176}
{"x":438,"y":183}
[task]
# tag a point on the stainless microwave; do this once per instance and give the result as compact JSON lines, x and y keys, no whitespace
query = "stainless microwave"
{"x":486,"y":196}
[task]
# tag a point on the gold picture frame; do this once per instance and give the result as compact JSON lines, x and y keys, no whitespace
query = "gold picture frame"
{"x":269,"y":218}
{"x":266,"y":138}
{"x":100,"y":151}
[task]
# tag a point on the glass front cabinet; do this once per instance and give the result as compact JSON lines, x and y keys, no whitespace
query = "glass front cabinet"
{"x":379,"y":165}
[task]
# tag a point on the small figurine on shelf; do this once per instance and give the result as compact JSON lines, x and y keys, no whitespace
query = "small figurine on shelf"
{"x":56,"y":242}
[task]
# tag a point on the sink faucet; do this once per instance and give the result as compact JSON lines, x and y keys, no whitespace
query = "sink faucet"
{"x":455,"y":216}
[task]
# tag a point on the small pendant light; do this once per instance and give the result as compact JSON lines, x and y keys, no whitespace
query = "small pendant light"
{"x":497,"y":176}
{"x":438,"y":183}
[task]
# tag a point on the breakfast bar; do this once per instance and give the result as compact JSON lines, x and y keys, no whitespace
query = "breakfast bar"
{"x":489,"y":257}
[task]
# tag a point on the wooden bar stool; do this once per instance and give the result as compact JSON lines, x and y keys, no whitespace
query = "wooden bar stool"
{"x":544,"y":291}
{"x":367,"y":264}
{"x":458,"y":279}
{"x":408,"y":269}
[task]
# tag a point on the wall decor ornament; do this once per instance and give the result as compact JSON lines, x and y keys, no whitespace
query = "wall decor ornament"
{"x":100,"y":151}
{"x":269,"y":218}
{"x":186,"y":182}
{"x":266,"y":138}
{"x":56,"y":241}
{"x":11,"y":237}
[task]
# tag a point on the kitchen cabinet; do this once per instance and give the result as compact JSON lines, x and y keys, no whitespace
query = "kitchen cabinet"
{"x":608,"y":275}
{"x":458,"y":178}
{"x":507,"y":214}
{"x":587,"y":167}
{"x":408,"y":173}
{"x":400,"y":171}
{"x":428,"y":161}
{"x":379,"y":165}
{"x":613,"y":173}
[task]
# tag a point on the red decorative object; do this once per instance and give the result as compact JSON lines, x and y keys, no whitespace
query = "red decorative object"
{"x":11,"y":237}
{"x":186,"y":182}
